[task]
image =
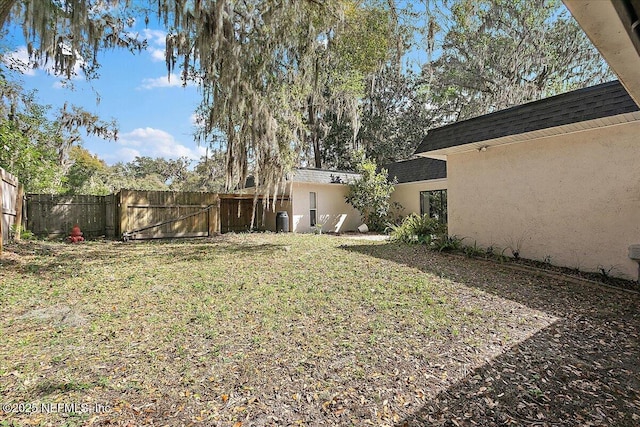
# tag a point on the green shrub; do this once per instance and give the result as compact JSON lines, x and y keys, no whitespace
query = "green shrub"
{"x":447,"y":244}
{"x":370,"y":195}
{"x":418,"y":229}
{"x":17,"y":230}
{"x":473,"y":251}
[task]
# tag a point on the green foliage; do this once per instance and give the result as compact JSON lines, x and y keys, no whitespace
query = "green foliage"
{"x":18,"y":230}
{"x":447,"y":244}
{"x":30,"y":159}
{"x":473,"y":251}
{"x":291,"y":81}
{"x":344,"y":66}
{"x":370,"y":195}
{"x":86,"y":173}
{"x":360,"y":45}
{"x":394,"y":116}
{"x":422,"y":229}
{"x":500,"y":53}
{"x":90,"y":175}
{"x":28,"y":140}
{"x":42,"y":151}
{"x":418,"y":229}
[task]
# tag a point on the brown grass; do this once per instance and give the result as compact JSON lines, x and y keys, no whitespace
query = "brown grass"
{"x":263,"y":329}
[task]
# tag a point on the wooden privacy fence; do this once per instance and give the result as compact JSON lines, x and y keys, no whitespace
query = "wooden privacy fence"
{"x":134,"y":214}
{"x":12,"y":195}
{"x":235,"y":213}
{"x":53,"y":216}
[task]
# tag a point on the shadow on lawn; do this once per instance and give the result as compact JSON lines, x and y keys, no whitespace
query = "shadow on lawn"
{"x":63,"y":259}
{"x":582,"y":370}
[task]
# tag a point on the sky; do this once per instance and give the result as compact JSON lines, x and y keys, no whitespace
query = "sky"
{"x":155,"y":116}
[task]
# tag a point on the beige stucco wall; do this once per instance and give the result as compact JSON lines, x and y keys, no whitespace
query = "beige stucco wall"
{"x":408,"y":194}
{"x":333,"y":212}
{"x":270,"y":215}
{"x":574,"y":198}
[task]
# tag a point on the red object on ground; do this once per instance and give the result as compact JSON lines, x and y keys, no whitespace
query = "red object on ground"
{"x":76,"y":235}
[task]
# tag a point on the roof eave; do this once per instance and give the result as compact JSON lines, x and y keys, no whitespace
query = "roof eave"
{"x":605,"y":23}
{"x":441,"y":154}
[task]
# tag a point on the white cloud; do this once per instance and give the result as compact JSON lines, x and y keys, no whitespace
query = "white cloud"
{"x":126,"y":154}
{"x":19,"y":60}
{"x":196,"y":119}
{"x":154,"y":143}
{"x":154,"y":37}
{"x":153,"y":83}
{"x":156,"y":44}
{"x":157,"y":55}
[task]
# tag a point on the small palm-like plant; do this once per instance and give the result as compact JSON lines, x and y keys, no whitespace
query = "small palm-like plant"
{"x":418,"y":229}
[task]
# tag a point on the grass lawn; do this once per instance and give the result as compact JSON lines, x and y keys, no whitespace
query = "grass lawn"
{"x":263,"y":329}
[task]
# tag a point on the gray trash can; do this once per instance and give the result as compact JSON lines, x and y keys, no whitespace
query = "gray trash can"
{"x":282,"y":222}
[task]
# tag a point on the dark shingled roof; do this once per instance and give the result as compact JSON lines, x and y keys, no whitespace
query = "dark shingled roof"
{"x":595,"y":102}
{"x":420,"y":169}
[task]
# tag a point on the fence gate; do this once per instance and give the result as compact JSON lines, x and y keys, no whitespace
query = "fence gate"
{"x":166,"y":214}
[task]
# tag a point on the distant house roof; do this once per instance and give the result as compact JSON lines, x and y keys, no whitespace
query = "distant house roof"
{"x":595,"y":102}
{"x":311,"y":175}
{"x":323,"y":176}
{"x":420,"y":169}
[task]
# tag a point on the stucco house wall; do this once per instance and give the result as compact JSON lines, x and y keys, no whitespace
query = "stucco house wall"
{"x":333,"y":212}
{"x":572,"y":198}
{"x":270,"y":214}
{"x":408,"y":193}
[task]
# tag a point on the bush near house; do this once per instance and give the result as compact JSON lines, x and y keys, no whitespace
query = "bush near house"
{"x":418,"y":229}
{"x":370,"y":195}
{"x":423,"y":229}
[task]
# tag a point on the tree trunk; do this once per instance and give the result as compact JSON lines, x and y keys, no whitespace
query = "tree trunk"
{"x":317,"y":157}
{"x":315,"y":134}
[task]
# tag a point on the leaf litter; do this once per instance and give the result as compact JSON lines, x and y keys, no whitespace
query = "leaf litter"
{"x":260,"y":329}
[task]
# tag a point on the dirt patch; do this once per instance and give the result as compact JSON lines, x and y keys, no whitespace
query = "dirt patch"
{"x":372,"y":237}
{"x":58,"y":315}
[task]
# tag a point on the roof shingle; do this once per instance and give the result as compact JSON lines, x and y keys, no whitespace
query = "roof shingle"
{"x":420,"y":169}
{"x":595,"y":102}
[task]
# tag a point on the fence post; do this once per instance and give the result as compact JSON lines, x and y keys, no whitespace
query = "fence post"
{"x":214,"y":217}
{"x":19,"y":210}
{"x":122,"y":211}
{"x":110,"y":211}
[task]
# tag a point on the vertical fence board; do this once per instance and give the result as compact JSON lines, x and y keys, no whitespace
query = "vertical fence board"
{"x":110,"y":216}
{"x":10,"y":205}
{"x":19,"y":209}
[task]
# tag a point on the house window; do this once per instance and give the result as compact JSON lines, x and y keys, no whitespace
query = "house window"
{"x":434,"y":203}
{"x":312,"y":209}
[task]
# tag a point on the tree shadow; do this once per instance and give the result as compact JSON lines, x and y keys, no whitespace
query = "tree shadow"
{"x":41,"y":258}
{"x":583,"y":369}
